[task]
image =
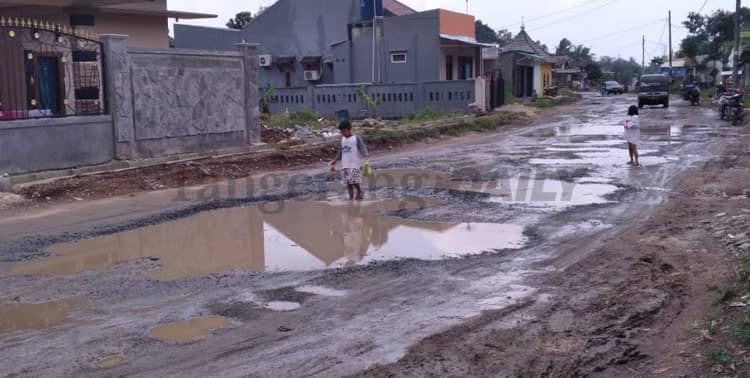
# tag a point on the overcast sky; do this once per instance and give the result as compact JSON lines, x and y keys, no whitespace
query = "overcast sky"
{"x":609,"y":27}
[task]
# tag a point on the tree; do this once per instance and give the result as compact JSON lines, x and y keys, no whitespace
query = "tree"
{"x":563,"y":49}
{"x":504,"y":37}
{"x":485,"y":34}
{"x":594,"y":71}
{"x":240,"y":20}
{"x":542,"y":45}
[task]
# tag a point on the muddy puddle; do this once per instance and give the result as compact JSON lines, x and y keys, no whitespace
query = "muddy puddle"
{"x":189,"y":331}
{"x":112,"y":361}
{"x":285,"y":236}
{"x":35,"y":316}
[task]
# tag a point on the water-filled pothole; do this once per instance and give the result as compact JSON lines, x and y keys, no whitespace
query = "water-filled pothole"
{"x":284,"y":236}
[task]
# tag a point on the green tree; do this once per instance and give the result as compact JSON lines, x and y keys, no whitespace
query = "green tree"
{"x":563,"y":48}
{"x":240,"y":20}
{"x":594,"y":71}
{"x":485,"y":34}
{"x":504,"y":37}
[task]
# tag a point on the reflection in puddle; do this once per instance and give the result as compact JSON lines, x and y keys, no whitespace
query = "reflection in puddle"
{"x":322,"y":291}
{"x":112,"y":361}
{"x":187,"y":332}
{"x":288,"y":236}
{"x":282,"y":306}
{"x":27,"y":316}
{"x":551,"y":193}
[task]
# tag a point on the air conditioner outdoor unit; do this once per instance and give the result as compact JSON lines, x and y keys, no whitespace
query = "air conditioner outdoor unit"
{"x":264,"y":60}
{"x":312,"y":75}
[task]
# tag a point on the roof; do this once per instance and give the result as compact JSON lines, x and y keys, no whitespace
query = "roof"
{"x":523,"y":43}
{"x":465,"y":40}
{"x":397,"y":8}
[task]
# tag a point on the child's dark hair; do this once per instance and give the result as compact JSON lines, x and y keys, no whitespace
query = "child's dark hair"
{"x":344,"y":125}
{"x":632,"y":110}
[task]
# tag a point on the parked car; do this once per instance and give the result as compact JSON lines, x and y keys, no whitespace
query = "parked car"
{"x":654,"y":90}
{"x":612,"y":87}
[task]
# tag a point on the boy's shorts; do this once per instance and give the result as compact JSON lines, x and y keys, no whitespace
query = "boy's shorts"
{"x":352,"y":175}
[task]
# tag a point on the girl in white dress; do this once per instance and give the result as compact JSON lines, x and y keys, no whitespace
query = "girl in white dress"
{"x":633,"y":134}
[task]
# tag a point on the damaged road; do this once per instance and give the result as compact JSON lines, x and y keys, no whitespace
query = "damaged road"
{"x":534,"y":251}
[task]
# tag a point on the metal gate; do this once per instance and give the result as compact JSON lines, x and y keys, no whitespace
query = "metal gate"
{"x":497,"y":90}
{"x":49,"y":70}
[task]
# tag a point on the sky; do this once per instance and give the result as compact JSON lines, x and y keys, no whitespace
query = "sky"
{"x":610,"y":27}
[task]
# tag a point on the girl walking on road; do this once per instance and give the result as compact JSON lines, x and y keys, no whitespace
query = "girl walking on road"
{"x":633,"y":134}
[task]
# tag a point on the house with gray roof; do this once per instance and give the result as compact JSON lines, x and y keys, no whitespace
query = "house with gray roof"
{"x":526,"y":65}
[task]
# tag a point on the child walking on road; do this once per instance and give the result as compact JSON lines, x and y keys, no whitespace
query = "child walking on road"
{"x":633,"y":134}
{"x":352,"y":154}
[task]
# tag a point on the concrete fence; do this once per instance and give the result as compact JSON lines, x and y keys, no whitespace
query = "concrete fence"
{"x":159,"y":103}
{"x":395,"y":100}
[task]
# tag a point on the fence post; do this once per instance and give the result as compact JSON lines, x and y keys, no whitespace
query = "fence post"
{"x":311,"y":95}
{"x":419,"y":96}
{"x":119,"y":92}
{"x":249,"y":56}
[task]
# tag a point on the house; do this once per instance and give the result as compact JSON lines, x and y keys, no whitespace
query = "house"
{"x":567,"y":74}
{"x":425,"y":46}
{"x":144,"y":21}
{"x":526,"y":66}
{"x":304,"y":43}
{"x":680,"y":67}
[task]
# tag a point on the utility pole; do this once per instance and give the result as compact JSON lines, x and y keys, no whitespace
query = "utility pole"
{"x":467,"y":6}
{"x":669,"y":19}
{"x":736,"y":60}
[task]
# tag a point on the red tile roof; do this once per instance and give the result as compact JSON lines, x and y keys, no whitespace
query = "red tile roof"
{"x":397,"y":8}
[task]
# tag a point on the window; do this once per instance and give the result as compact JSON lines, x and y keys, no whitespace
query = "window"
{"x":465,"y":68}
{"x":398,"y":57}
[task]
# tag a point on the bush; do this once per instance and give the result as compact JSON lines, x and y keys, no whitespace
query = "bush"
{"x":423,"y":115}
{"x":288,"y":120}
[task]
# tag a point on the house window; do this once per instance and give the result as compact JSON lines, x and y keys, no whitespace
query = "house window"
{"x":465,"y":68}
{"x":287,"y":79}
{"x":449,"y":67}
{"x":398,"y":57}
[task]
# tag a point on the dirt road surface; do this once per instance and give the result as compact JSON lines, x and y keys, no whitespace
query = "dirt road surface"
{"x":530,"y":252}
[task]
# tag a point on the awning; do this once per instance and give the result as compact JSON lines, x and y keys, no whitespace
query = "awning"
{"x":284,"y":60}
{"x":465,"y":40}
{"x":153,"y":12}
{"x":311,"y":59}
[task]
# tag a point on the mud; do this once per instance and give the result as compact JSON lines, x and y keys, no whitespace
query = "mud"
{"x":499,"y":264}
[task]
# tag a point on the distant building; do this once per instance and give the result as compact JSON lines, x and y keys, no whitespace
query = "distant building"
{"x":144,"y":21}
{"x":526,"y":66}
{"x":312,"y":42}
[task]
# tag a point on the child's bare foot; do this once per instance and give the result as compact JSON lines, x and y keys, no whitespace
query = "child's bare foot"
{"x":360,"y":196}
{"x":630,"y":163}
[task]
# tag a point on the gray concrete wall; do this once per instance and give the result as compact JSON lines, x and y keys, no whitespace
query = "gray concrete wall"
{"x":396,"y":100}
{"x":171,"y":101}
{"x":419,"y":36}
{"x":55,"y":143}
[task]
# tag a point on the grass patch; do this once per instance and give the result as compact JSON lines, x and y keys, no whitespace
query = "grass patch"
{"x":720,"y":356}
{"x":389,"y":137}
{"x":423,"y":115}
{"x":742,"y":331}
{"x":288,"y":120}
{"x":726,"y":294}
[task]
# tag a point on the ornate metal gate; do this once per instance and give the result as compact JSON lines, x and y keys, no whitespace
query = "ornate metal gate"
{"x":49,"y":70}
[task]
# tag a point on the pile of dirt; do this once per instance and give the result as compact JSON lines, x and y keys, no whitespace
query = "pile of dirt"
{"x":273,"y":135}
{"x":202,"y":171}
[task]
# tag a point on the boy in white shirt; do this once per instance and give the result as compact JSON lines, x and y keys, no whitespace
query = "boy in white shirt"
{"x":352,"y":154}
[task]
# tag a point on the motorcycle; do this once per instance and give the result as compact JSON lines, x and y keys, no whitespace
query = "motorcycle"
{"x":736,"y":108}
{"x":693,"y":95}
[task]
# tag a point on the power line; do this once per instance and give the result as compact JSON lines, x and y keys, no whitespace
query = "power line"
{"x":553,"y":13}
{"x":575,"y":15}
{"x":702,"y":6}
{"x":661,"y":38}
{"x":624,"y":31}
